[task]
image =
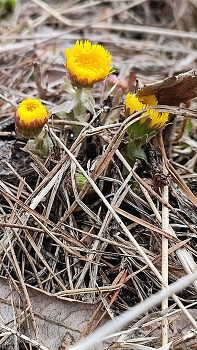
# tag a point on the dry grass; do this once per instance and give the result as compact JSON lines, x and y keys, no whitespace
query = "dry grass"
{"x":103,"y":245}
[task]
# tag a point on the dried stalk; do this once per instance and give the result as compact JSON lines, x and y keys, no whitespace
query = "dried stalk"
{"x":125,"y":230}
{"x":176,"y":299}
{"x":165,"y":226}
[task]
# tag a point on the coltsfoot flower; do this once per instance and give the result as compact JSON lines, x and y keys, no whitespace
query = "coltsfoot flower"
{"x":149,"y":100}
{"x":30,"y":117}
{"x":133,"y":104}
{"x":155,"y":120}
{"x":87,"y":63}
{"x":141,"y":131}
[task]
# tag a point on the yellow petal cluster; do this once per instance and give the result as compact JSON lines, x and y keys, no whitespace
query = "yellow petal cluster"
{"x":155,"y":120}
{"x":30,"y":117}
{"x":87,"y":63}
{"x":149,"y":100}
{"x":133,"y":104}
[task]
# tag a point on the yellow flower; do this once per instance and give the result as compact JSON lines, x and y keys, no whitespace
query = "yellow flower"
{"x":149,"y":100}
{"x":87,"y":63}
{"x":30,"y":117}
{"x":155,"y":120}
{"x":133,"y":104}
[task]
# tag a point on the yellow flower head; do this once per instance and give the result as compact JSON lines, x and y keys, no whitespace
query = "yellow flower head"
{"x":149,"y":100}
{"x":87,"y":63}
{"x":133,"y":104}
{"x":155,"y":120}
{"x":30,"y":117}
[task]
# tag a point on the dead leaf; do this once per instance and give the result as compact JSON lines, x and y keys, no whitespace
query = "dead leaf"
{"x":173,"y":90}
{"x":60,"y":322}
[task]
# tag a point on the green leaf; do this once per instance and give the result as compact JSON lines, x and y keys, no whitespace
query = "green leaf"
{"x":67,"y":86}
{"x":42,"y":145}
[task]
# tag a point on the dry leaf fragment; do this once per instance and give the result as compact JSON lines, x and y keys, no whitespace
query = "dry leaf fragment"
{"x":173,"y":90}
{"x":60,"y":322}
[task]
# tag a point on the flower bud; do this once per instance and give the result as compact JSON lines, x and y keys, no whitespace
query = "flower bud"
{"x":30,"y":117}
{"x":80,"y":181}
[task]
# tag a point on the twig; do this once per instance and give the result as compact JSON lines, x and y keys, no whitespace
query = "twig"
{"x":53,"y":12}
